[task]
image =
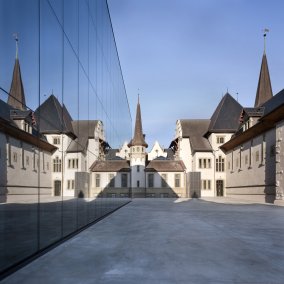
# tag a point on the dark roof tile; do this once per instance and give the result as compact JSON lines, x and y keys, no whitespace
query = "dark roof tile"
{"x":165,"y":166}
{"x":226,"y":116}
{"x":195,"y":129}
{"x":84,"y":130}
{"x":53,"y":118}
{"x":110,"y":166}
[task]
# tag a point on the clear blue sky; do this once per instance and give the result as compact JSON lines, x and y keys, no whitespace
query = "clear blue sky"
{"x":183,"y":55}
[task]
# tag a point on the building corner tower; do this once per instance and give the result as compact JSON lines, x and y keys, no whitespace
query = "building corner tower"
{"x":138,"y":157}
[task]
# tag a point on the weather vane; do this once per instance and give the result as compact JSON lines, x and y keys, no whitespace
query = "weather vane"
{"x":15,"y":35}
{"x":265,"y":31}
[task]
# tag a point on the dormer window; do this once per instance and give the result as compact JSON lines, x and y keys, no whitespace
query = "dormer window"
{"x":56,"y":140}
{"x":26,"y":127}
{"x":220,"y":139}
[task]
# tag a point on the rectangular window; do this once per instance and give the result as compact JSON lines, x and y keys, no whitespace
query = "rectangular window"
{"x":204,"y":163}
{"x":240,"y":153}
{"x":23,"y":156}
{"x":111,"y":180}
{"x":9,"y":153}
{"x":250,"y":153}
{"x":263,"y":149}
{"x":70,"y":184}
{"x":56,"y":140}
{"x":257,"y":156}
{"x":73,"y":163}
{"x":220,"y":164}
{"x":138,"y":183}
{"x":164,"y":179}
{"x":220,"y":139}
{"x":43,"y":162}
{"x":206,"y":184}
{"x":123,"y":180}
{"x":138,"y":169}
{"x":246,"y":159}
{"x":177,"y":180}
{"x":34,"y":160}
{"x":15,"y":157}
{"x":150,"y":180}
{"x":57,"y":165}
{"x":98,"y":180}
{"x":27,"y":161}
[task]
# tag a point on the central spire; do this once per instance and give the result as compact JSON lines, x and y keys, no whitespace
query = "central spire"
{"x":138,"y":139}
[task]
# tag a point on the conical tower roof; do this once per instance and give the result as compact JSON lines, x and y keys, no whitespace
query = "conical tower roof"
{"x":264,"y":90}
{"x":138,"y":139}
{"x":16,"y":97}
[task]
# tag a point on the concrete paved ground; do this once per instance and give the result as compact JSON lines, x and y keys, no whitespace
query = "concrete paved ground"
{"x":170,"y":241}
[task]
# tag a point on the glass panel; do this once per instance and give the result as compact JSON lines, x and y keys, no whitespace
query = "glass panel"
{"x":74,"y":106}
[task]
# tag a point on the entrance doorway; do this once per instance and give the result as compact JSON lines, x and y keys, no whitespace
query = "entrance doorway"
{"x":220,"y":187}
{"x":57,"y":187}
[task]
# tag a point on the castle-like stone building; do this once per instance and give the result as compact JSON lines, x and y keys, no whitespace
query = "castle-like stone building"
{"x":238,"y":152}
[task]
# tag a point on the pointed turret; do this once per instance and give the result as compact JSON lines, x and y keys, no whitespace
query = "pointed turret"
{"x":138,"y":139}
{"x":264,"y":90}
{"x":16,"y":97}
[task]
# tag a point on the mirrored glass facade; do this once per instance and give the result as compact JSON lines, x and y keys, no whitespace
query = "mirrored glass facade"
{"x":63,"y":105}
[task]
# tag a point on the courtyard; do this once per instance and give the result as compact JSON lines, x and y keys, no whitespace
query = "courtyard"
{"x":170,"y":241}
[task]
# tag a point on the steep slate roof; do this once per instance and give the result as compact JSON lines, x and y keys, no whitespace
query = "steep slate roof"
{"x":170,"y":154}
{"x":274,"y":103}
{"x":254,"y":111}
{"x":264,"y":89}
{"x":165,"y":166}
{"x":84,"y":130}
{"x":138,"y":139}
{"x":111,"y":154}
{"x":195,"y":129}
{"x":5,"y":111}
{"x":53,"y":118}
{"x":273,"y":113}
{"x":110,"y":166}
{"x":16,"y":97}
{"x":226,"y":116}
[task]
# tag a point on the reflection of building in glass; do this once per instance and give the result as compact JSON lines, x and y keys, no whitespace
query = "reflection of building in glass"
{"x":66,"y":48}
{"x":25,"y":154}
{"x":79,"y":143}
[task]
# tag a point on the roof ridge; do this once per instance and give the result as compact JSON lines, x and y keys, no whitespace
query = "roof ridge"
{"x":220,"y":105}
